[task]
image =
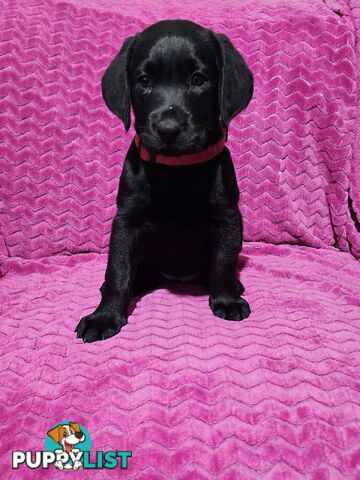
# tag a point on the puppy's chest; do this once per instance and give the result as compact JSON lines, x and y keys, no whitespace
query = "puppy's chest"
{"x":183,"y":204}
{"x":180,"y":194}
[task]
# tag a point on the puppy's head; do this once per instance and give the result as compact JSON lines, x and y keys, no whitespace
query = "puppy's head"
{"x":67,"y":435}
{"x":185,"y":84}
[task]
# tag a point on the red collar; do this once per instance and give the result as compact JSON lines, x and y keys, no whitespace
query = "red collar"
{"x":189,"y":159}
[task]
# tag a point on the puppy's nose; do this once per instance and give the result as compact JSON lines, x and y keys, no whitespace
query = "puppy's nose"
{"x":169,"y":129}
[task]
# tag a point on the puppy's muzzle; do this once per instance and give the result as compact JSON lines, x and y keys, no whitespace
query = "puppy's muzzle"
{"x":169,"y":129}
{"x":170,"y":122}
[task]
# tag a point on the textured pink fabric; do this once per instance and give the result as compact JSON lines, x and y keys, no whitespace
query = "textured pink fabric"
{"x":62,"y":150}
{"x":195,"y":397}
{"x":354,"y":191}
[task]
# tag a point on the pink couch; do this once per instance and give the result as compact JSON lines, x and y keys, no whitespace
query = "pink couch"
{"x":193,"y":396}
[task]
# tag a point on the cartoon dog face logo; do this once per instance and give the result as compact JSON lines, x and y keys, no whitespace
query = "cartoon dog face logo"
{"x":68,"y":436}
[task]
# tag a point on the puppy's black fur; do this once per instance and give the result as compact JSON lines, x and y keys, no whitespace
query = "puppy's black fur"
{"x":185,"y":84}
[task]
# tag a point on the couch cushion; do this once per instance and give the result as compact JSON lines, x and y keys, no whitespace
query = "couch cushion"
{"x":63,"y":150}
{"x":193,"y":396}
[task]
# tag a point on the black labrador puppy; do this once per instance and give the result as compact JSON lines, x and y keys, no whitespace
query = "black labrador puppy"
{"x":178,"y":216}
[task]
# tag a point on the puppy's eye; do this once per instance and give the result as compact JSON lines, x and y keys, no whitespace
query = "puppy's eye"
{"x":65,"y":434}
{"x":144,"y":81}
{"x":198,"y":79}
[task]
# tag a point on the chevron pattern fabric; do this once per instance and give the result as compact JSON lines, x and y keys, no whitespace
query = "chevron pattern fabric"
{"x":62,"y":150}
{"x":193,"y":396}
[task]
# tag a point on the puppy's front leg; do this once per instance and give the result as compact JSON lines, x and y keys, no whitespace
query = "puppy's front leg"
{"x":124,"y":257}
{"x":226,"y":237}
{"x":225,"y":289}
{"x":111,"y":314}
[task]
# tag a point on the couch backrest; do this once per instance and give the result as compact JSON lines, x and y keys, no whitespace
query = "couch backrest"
{"x":62,"y":150}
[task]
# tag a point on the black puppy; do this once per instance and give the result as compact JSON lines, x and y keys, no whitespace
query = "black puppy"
{"x":178,"y":214}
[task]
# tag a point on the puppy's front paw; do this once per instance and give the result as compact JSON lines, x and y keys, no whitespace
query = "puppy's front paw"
{"x":229,"y":308}
{"x":100,"y":325}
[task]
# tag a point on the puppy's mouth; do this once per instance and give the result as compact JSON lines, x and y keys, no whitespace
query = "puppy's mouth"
{"x":68,"y":447}
{"x":183,"y":145}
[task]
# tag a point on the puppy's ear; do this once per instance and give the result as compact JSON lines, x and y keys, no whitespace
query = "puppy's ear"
{"x":236,"y":80}
{"x":75,"y":426}
{"x":56,"y":433}
{"x":115,"y":84}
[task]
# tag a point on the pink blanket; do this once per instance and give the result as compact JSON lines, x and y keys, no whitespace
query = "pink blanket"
{"x":193,"y":396}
